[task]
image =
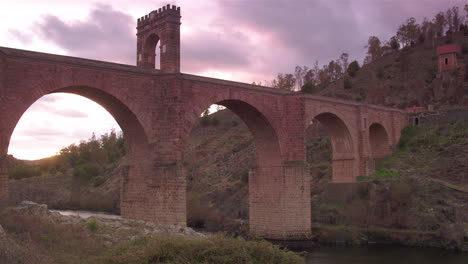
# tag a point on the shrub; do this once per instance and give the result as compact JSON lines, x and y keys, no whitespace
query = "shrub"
{"x":97,"y":181}
{"x":205,"y":121}
{"x":235,"y":123}
{"x":431,"y":74}
{"x":380,"y":73}
{"x":211,"y":249}
{"x":308,"y":88}
{"x":394,"y":44}
{"x":353,"y":68}
{"x":85,"y":171}
{"x":214,"y":121}
{"x":465,"y":48}
{"x":24,"y":172}
{"x":244,"y":176}
{"x":92,"y":225}
{"x":347,"y":83}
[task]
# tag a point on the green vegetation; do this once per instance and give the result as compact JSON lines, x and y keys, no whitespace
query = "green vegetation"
{"x":214,"y":249}
{"x":347,"y":83}
{"x":91,"y":225}
{"x":25,"y":171}
{"x":415,"y":138}
{"x":86,"y":160}
{"x":40,"y":240}
{"x":419,"y":141}
{"x":353,"y":68}
{"x":379,"y":174}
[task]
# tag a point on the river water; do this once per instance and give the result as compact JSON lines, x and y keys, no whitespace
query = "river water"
{"x":384,"y":254}
{"x":375,"y":254}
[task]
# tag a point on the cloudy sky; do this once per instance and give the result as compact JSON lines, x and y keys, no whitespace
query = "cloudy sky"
{"x":242,"y":40}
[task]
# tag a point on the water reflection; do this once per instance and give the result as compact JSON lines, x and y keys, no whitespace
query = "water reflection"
{"x":384,"y":254}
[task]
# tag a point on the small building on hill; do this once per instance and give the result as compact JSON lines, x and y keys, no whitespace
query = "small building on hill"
{"x":449,"y":57}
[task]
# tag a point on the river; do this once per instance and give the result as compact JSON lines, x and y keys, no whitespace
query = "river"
{"x":384,"y":254}
{"x":374,"y":254}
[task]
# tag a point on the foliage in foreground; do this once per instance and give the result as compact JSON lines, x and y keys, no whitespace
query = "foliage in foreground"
{"x":214,"y":249}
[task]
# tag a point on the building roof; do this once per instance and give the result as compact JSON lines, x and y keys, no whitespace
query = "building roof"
{"x":450,"y":48}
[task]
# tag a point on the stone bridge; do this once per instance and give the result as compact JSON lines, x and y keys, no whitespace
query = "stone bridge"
{"x":156,"y":109}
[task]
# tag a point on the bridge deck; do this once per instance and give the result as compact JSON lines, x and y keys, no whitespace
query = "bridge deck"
{"x":103,"y":65}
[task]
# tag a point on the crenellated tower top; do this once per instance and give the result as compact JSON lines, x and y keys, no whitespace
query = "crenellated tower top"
{"x":160,"y":26}
{"x":158,"y":14}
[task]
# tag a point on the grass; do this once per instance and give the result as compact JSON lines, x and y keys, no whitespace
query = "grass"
{"x":379,"y":174}
{"x":35,"y":239}
{"x":418,"y":149}
{"x":214,"y":249}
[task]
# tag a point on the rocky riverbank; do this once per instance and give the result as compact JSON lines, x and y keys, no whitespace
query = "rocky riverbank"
{"x":33,"y":234}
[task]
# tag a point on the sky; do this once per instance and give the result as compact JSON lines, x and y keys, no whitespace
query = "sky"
{"x":240,"y":40}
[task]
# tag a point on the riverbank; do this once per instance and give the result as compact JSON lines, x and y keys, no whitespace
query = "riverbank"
{"x":33,"y":234}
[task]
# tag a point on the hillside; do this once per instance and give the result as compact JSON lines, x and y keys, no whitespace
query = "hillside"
{"x":407,"y":77}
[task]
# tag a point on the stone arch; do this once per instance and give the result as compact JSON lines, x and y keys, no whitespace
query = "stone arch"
{"x":265,"y":135}
{"x":148,"y":54}
{"x":344,"y":167}
{"x":267,"y":180}
{"x":136,"y":165}
{"x":379,"y":141}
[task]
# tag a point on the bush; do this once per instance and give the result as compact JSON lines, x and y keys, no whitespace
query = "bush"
{"x":465,"y":48}
{"x":394,"y":44}
{"x":211,"y":249}
{"x":346,"y":83}
{"x":24,"y":172}
{"x":85,"y":171}
{"x":214,"y":121}
{"x":205,"y":121}
{"x":380,"y":73}
{"x":353,"y":68}
{"x":244,"y":176}
{"x":92,"y":225}
{"x":97,"y":181}
{"x":308,"y":88}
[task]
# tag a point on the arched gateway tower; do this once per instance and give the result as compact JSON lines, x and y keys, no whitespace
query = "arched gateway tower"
{"x":157,"y":109}
{"x":160,"y":26}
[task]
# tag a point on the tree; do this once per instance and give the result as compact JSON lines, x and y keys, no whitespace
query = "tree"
{"x":374,"y":49}
{"x":334,"y":70}
{"x":284,"y":81}
{"x":408,"y":33}
{"x":308,"y":88}
{"x":353,"y":68}
{"x":439,"y":23}
{"x":309,"y":77}
{"x":347,"y":83}
{"x":449,"y":19}
{"x":393,"y":43}
{"x":299,"y":74}
{"x":344,"y":61}
{"x":456,"y":19}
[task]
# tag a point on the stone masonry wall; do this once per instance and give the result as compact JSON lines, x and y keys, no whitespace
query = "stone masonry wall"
{"x":156,"y":112}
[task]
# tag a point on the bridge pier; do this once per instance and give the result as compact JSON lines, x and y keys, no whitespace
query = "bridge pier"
{"x":4,"y":194}
{"x":279,"y":202}
{"x":154,"y":192}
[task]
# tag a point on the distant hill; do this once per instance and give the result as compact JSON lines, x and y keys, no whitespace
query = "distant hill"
{"x":407,"y":77}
